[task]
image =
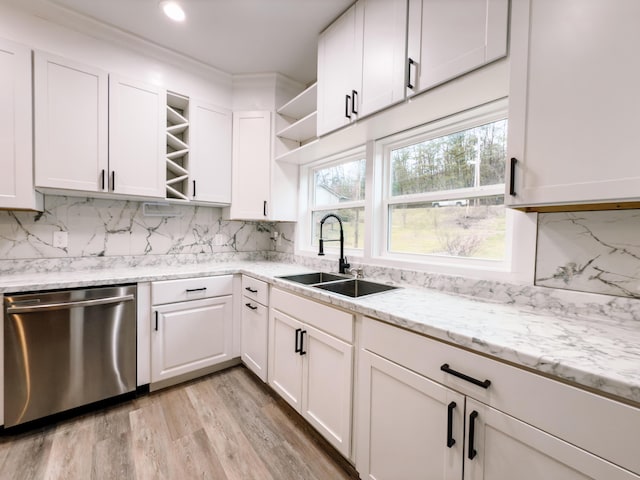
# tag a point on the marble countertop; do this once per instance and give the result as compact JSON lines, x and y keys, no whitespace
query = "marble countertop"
{"x":599,"y":354}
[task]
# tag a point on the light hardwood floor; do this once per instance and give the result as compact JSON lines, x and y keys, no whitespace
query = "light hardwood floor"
{"x":227,"y":425}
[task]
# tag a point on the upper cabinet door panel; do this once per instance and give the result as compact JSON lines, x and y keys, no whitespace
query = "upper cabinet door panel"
{"x":210,"y":157}
{"x":71,"y":130}
{"x":16,"y":159}
{"x":383,"y":54}
{"x":574,"y":102}
{"x":339,"y":70}
{"x":136,"y":138}
{"x":454,"y":37}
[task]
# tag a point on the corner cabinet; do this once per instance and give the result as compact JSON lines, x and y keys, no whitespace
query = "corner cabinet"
{"x":311,"y":363}
{"x":192,"y":327}
{"x":361,"y":62}
{"x":573,"y":104}
{"x":429,"y":410}
{"x":262,"y":189}
{"x":16,"y":129}
{"x":449,"y":39}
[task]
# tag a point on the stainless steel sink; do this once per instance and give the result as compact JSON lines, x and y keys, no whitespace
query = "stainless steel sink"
{"x":313,"y":278}
{"x":355,"y":288}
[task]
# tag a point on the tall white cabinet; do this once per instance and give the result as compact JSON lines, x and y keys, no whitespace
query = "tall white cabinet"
{"x":448,"y":39}
{"x":16,"y":127}
{"x":574,"y":103}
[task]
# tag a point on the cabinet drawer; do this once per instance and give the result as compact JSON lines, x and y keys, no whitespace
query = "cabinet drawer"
{"x":255,"y":289}
{"x":171,"y":291}
{"x":328,"y":319}
{"x":597,"y":424}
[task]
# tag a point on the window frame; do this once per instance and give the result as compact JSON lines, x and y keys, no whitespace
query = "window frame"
{"x":469,"y":119}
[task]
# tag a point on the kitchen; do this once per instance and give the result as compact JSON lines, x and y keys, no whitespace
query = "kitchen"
{"x":570,"y":253}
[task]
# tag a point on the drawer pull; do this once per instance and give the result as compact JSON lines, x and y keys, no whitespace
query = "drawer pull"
{"x":483,"y":384}
{"x":450,"y":440}
{"x":249,"y":289}
{"x":472,"y":433}
{"x":191,"y":290}
{"x":298,"y":348}
{"x":251,"y":306}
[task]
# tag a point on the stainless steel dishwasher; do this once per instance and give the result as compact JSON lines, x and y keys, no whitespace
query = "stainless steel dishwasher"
{"x":64,"y":349}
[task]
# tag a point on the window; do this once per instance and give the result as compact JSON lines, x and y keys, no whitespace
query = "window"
{"x":340,"y":189}
{"x":445,"y":192}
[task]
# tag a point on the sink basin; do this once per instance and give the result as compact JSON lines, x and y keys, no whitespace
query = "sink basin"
{"x":313,"y":278}
{"x":355,"y":288}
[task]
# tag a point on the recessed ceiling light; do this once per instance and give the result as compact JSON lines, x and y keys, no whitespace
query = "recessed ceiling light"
{"x":173,"y":10}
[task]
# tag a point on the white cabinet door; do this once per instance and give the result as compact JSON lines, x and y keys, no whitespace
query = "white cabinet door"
{"x":500,"y":447}
{"x":574,"y":105}
{"x":383,"y":54}
{"x":210,"y":154}
{"x":340,"y":70}
{"x":16,"y":127}
{"x":136,"y":138}
{"x":191,"y":335}
{"x":448,"y":39}
{"x":285,"y":361}
{"x":251,"y":165}
{"x":254,"y":335}
{"x":403,"y":424}
{"x":327,"y":385}
{"x":71,"y":124}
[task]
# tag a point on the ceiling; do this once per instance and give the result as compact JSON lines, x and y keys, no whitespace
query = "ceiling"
{"x":236,"y":36}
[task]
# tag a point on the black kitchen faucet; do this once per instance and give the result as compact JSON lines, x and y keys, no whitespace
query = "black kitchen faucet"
{"x":342,"y":261}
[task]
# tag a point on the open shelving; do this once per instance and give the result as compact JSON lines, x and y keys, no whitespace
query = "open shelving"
{"x":177,"y":161}
{"x":299,"y":116}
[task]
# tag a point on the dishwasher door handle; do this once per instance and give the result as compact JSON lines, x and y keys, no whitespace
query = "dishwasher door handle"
{"x":12,"y":310}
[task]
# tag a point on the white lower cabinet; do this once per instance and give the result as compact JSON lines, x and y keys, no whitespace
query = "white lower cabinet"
{"x":311,"y":363}
{"x":255,"y":325}
{"x":191,"y":335}
{"x":418,"y":417}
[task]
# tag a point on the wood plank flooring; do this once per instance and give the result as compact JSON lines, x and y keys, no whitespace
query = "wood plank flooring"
{"x":226,"y":426}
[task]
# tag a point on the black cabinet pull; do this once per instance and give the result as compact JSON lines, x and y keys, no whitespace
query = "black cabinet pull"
{"x":251,"y":306}
{"x":472,"y":433}
{"x":251,"y":290}
{"x":194,"y":188}
{"x":347,"y":100}
{"x":156,"y":320}
{"x":264,"y":208}
{"x":450,"y":440}
{"x":191,"y":290}
{"x":483,"y":384}
{"x":512,"y":177}
{"x":354,"y":101}
{"x":298,"y":348}
{"x":103,"y":176}
{"x":113,"y":180}
{"x":409,"y":84}
{"x":302,"y":334}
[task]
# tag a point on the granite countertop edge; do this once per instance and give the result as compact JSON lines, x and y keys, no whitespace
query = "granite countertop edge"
{"x":599,"y":355}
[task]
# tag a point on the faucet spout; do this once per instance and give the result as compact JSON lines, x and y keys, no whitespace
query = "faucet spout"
{"x":342,"y":261}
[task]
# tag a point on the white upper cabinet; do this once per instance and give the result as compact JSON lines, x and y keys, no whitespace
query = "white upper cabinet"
{"x":71,"y":124}
{"x":361,"y":62}
{"x":574,"y":102}
{"x":136,"y":138}
{"x":16,"y":127}
{"x":449,"y":38}
{"x":210,"y":155}
{"x":383,"y":54}
{"x":340,"y":70}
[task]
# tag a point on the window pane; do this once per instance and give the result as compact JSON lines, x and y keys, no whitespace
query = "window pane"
{"x":340,"y":183}
{"x":472,"y":227}
{"x":353,"y":224}
{"x":464,"y":159}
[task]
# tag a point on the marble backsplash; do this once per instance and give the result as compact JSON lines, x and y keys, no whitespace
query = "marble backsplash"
{"x":596,"y":252}
{"x":110,"y":228}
